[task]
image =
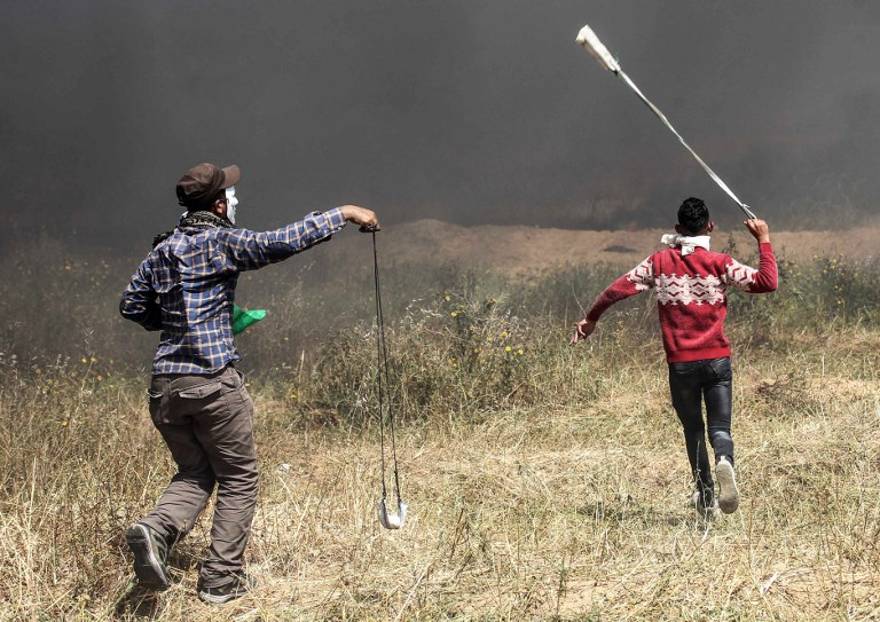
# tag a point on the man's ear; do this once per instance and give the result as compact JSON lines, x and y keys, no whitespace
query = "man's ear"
{"x":710,"y":227}
{"x":219,"y":207}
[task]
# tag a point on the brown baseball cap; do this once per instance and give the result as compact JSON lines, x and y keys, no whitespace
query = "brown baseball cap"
{"x":200,"y":184}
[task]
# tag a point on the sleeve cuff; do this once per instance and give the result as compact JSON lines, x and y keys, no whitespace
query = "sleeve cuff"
{"x":765,"y":246}
{"x":335,"y":219}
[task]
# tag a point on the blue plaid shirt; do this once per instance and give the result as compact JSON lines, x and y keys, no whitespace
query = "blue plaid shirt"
{"x":186,"y":287}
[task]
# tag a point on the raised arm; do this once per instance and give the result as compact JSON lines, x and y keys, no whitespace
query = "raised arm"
{"x":636,"y":280}
{"x":766,"y":278}
{"x":139,"y":303}
{"x":249,"y":250}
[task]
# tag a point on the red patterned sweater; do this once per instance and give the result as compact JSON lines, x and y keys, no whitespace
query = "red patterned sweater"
{"x":691,"y":296}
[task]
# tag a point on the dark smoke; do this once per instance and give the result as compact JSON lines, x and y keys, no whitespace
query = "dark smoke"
{"x":473,"y":112}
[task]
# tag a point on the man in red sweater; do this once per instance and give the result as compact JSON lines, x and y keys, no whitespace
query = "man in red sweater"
{"x":691,"y":284}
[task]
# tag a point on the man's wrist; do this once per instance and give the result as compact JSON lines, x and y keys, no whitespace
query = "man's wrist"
{"x":336,"y":217}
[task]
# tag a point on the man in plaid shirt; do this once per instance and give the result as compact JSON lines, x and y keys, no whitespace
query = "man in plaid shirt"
{"x":185,"y":288}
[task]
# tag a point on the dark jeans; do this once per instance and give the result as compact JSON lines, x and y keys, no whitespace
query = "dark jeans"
{"x":207,"y":423}
{"x":691,"y":383}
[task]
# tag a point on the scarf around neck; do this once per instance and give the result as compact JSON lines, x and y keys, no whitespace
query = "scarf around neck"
{"x":198,"y":219}
{"x":688,"y":243}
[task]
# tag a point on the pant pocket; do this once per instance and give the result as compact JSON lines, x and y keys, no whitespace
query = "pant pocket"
{"x":201,"y":391}
{"x":685,"y":369}
{"x":233,"y":389}
{"x":154,"y":398}
{"x":721,"y":369}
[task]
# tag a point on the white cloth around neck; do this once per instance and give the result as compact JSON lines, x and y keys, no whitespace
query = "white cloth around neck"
{"x":688,"y":243}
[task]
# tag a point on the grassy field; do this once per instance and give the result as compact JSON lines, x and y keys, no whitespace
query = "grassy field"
{"x":544,"y":482}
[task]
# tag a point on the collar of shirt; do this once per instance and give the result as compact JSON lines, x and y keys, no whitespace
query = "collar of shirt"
{"x":688,"y":243}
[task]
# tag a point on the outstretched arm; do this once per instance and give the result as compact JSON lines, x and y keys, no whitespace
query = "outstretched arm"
{"x":249,"y":250}
{"x":139,"y":302}
{"x":636,"y":280}
{"x":766,"y":278}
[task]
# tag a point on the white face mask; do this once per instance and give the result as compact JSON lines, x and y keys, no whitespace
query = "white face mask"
{"x":231,"y":204}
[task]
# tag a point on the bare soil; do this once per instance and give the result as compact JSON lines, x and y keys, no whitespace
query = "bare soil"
{"x":518,"y":249}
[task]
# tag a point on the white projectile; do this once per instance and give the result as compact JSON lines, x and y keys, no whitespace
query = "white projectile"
{"x":591,"y":43}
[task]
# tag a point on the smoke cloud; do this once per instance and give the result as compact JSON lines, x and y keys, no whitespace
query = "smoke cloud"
{"x":472,"y":112}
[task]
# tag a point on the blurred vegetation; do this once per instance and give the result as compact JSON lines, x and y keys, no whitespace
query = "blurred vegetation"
{"x":460,"y":339}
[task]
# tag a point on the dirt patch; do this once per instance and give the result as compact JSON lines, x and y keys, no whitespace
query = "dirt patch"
{"x":518,"y":249}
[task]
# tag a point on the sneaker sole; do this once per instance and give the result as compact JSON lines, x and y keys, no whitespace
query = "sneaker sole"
{"x":728,"y":496}
{"x":214,"y":599}
{"x":243,"y":589}
{"x":147,"y":567}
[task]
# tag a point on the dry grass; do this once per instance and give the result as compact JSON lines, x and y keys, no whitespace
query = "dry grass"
{"x":544,"y":482}
{"x":576,"y":512}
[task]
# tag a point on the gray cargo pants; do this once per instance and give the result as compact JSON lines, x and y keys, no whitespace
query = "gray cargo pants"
{"x":207,"y":423}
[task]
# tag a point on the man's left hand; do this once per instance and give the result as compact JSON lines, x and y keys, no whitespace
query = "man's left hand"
{"x":582,"y":330}
{"x":362,"y":216}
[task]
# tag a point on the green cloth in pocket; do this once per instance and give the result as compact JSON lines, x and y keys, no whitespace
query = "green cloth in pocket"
{"x":242,"y":318}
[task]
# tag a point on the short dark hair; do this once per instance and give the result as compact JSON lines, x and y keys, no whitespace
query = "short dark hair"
{"x":206,"y":205}
{"x":693,"y":215}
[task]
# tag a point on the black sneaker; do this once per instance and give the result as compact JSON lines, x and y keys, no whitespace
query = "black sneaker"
{"x":150,"y":551}
{"x":240,"y":585}
{"x":706,"y":507}
{"x":728,"y":495}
